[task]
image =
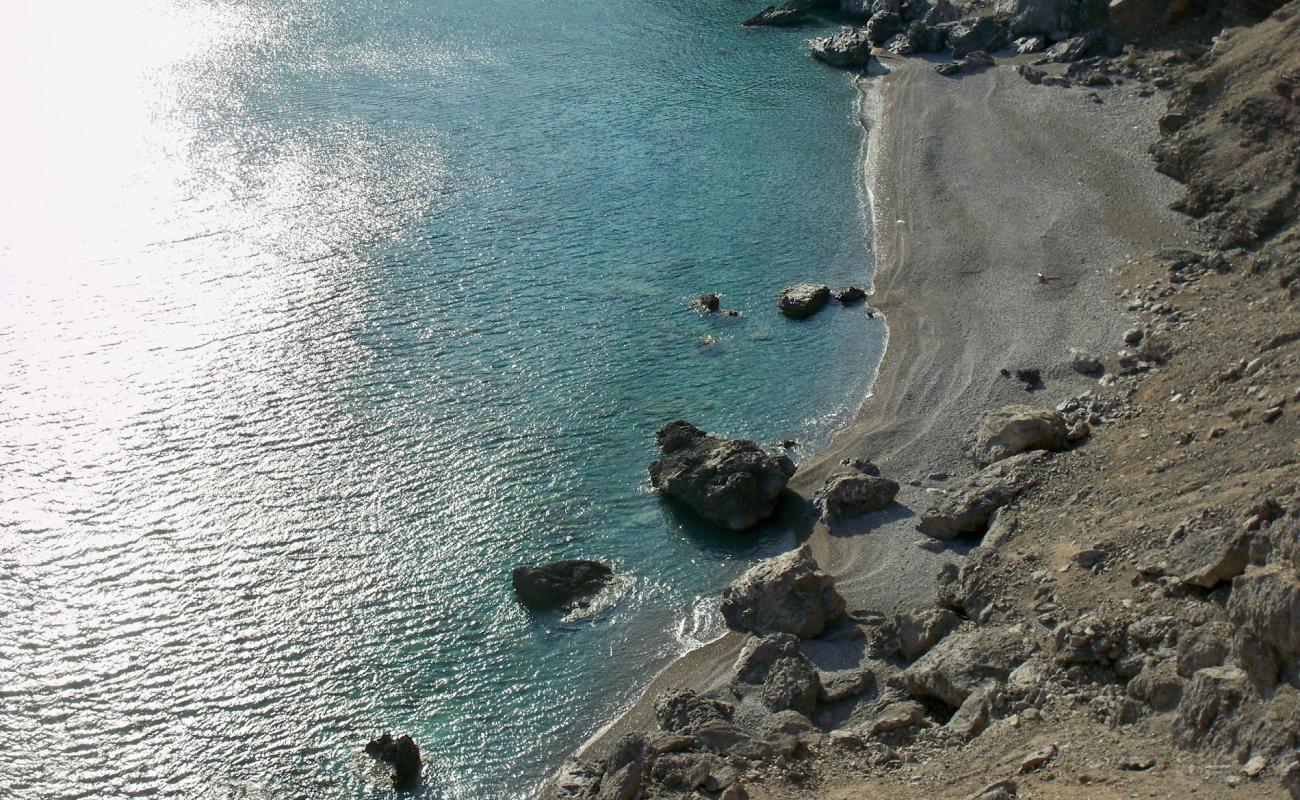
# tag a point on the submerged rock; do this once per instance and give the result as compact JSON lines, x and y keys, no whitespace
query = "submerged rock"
{"x":402,"y":753}
{"x":776,"y":16}
{"x":558,"y":584}
{"x":1009,"y":430}
{"x":803,"y":300}
{"x":848,"y":48}
{"x":786,"y":594}
{"x":732,"y":482}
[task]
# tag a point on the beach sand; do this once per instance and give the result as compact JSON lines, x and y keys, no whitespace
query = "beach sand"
{"x":977,"y":184}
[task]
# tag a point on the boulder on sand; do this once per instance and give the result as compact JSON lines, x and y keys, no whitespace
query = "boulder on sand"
{"x":1006,"y":431}
{"x":732,"y":482}
{"x":803,"y":300}
{"x":968,"y":509}
{"x":558,"y":584}
{"x":402,"y":753}
{"x":855,"y":489}
{"x":848,"y":48}
{"x":786,"y":594}
{"x":791,"y":13}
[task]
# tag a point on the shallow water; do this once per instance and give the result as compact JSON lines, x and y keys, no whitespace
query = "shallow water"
{"x":318,"y":317}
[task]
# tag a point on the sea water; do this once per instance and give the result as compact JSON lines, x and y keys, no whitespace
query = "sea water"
{"x":319,"y":316}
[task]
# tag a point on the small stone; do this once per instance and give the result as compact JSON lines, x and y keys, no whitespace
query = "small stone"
{"x":929,"y":545}
{"x":1133,"y":335}
{"x":708,"y":302}
{"x":1136,"y":763}
{"x":1037,"y":758}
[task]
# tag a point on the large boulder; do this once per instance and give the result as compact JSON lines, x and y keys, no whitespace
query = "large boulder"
{"x":967,"y":509}
{"x":882,"y":25}
{"x":558,"y":584}
{"x":983,"y":33}
{"x":1051,"y":16}
{"x":757,"y":657}
{"x":786,"y":594}
{"x":684,"y":711}
{"x":791,"y":685}
{"x":791,"y":13}
{"x":1004,"y":432}
{"x":855,"y":489}
{"x":921,"y":629}
{"x":803,"y":299}
{"x":962,"y":662}
{"x":402,"y":753}
{"x":848,"y":48}
{"x":732,"y":482}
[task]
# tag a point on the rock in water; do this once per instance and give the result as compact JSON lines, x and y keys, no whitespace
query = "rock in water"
{"x":402,"y":753}
{"x":732,"y":482}
{"x":803,"y":300}
{"x":556,"y":585}
{"x":848,"y":48}
{"x":787,"y":14}
{"x":786,"y":594}
{"x":708,"y":302}
{"x":853,"y":491}
{"x":1009,"y":430}
{"x":850,"y":294}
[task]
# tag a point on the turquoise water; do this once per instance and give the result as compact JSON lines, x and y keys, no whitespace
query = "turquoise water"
{"x":318,"y":317}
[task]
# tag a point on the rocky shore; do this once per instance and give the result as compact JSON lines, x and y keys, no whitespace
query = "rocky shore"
{"x":1058,"y":553}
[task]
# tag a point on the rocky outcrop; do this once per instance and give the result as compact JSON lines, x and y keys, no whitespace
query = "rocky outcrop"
{"x":982,"y":33}
{"x":792,"y":684}
{"x":882,"y":25}
{"x":803,"y":300}
{"x":778,"y":16}
{"x":967,"y":509}
{"x":786,"y":594}
{"x":962,"y":662}
{"x":558,"y":584}
{"x":855,"y":489}
{"x":404,"y":756}
{"x":684,"y":711}
{"x":732,"y":482}
{"x":1051,"y":16}
{"x":1068,"y":51}
{"x":921,"y":629}
{"x":848,"y":48}
{"x":923,"y":39}
{"x":1013,"y":429}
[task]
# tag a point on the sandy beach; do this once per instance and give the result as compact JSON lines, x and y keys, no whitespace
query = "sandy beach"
{"x":977,"y":184}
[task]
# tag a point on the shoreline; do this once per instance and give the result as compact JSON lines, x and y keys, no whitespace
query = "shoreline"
{"x":950,"y":328}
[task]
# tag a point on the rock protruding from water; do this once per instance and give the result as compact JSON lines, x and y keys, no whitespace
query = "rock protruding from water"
{"x":708,"y":302}
{"x":786,"y":594}
{"x":404,"y":756}
{"x":849,"y":48}
{"x":850,"y":295}
{"x":803,"y":300}
{"x":559,"y":584}
{"x":853,"y":490}
{"x":732,"y":482}
{"x":1006,"y":431}
{"x":791,"y":13}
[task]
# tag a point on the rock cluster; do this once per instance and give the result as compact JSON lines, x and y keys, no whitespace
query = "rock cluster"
{"x":732,"y":482}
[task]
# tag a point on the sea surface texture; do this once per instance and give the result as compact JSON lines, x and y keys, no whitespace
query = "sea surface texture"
{"x":320,"y":316}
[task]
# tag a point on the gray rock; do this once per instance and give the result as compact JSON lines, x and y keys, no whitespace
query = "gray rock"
{"x":982,"y":33}
{"x":1050,"y":16}
{"x":962,"y":662}
{"x":1038,"y":758}
{"x":968,"y":508}
{"x":1006,"y":431}
{"x":1230,"y":561}
{"x":1083,"y":362}
{"x":849,"y":295}
{"x":923,"y":38}
{"x":1068,"y":51}
{"x":1210,"y":695}
{"x":732,"y":482}
{"x":1158,"y":686}
{"x":921,"y":629}
{"x":778,"y":16}
{"x":402,"y":753}
{"x":975,"y":60}
{"x":1203,"y":646}
{"x":803,"y":299}
{"x":1001,"y":790}
{"x":1028,"y":44}
{"x":977,"y":710}
{"x":942,"y":11}
{"x":897,"y":716}
{"x":757,"y":657}
{"x":684,"y":711}
{"x":853,"y":491}
{"x":848,"y":48}
{"x":1265,"y":608}
{"x":791,"y":685}
{"x":786,"y":594}
{"x":558,"y":584}
{"x":843,"y":685}
{"x":883,"y":25}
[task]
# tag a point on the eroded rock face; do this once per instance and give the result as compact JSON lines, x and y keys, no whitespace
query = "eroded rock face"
{"x":1265,"y":609}
{"x":732,"y":482}
{"x":791,"y":685}
{"x":684,"y":711}
{"x":558,"y":584}
{"x":983,"y":33}
{"x":921,"y":629}
{"x":786,"y":594}
{"x":968,"y":508}
{"x":848,"y":48}
{"x":855,"y":489}
{"x":1007,"y":431}
{"x":1050,"y":16}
